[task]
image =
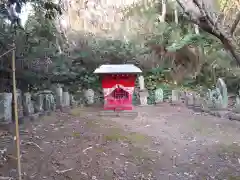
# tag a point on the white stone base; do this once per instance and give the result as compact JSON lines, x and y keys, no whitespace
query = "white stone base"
{"x":118,"y":114}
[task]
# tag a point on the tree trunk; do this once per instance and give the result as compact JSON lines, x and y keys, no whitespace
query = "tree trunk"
{"x":206,"y":22}
{"x":235,"y":23}
{"x":176,"y":15}
{"x":162,"y":17}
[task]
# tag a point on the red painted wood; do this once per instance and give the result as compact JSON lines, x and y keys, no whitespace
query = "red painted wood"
{"x":110,"y":80}
{"x":118,"y":99}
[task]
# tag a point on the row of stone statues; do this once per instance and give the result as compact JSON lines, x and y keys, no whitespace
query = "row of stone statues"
{"x":28,"y":104}
{"x":216,"y":98}
{"x":214,"y":101}
{"x":45,"y":101}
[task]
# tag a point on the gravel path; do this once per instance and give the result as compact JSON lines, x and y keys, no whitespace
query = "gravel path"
{"x":159,"y":143}
{"x":202,"y":146}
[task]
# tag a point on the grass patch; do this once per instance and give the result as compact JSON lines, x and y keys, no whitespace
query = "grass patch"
{"x":76,"y":112}
{"x":117,"y":134}
{"x":234,"y":178}
{"x":232,"y":149}
{"x":76,"y":135}
{"x":99,"y":150}
{"x":138,"y":138}
{"x":201,"y":128}
{"x":90,"y":123}
{"x":142,"y":157}
{"x":114,"y":134}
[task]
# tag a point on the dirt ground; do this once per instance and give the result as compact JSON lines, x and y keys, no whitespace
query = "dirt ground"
{"x":159,"y":142}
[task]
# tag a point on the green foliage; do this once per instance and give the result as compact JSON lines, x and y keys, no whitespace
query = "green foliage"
{"x":190,"y":39}
{"x":151,"y":97}
{"x":50,"y":8}
{"x":75,"y":66}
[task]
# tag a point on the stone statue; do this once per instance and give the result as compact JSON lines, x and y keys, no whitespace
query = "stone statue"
{"x":223,"y":91}
{"x":158,"y":95}
{"x":141,"y":82}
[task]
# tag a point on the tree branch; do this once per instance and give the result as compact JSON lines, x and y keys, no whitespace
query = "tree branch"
{"x":204,"y":12}
{"x":206,"y":23}
{"x":235,"y":23}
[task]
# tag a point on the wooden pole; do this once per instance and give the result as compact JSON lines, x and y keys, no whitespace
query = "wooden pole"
{"x":16,"y":114}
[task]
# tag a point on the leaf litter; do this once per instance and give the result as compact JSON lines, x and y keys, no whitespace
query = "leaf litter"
{"x":88,"y":147}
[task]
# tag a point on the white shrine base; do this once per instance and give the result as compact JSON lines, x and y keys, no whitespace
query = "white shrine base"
{"x":144,"y":105}
{"x":108,"y":113}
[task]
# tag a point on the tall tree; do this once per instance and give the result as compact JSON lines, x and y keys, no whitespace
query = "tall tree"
{"x":203,"y":14}
{"x":10,"y":9}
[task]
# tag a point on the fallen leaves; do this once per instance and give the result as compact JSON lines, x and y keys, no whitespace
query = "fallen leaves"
{"x":84,"y":151}
{"x":63,"y":171}
{"x":32,"y":143}
{"x":80,"y":149}
{"x":5,"y":178}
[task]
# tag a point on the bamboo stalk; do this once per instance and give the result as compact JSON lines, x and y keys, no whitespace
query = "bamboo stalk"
{"x":6,"y":52}
{"x":16,"y":114}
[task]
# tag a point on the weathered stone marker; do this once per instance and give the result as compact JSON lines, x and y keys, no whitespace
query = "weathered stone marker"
{"x":223,"y":91}
{"x":175,"y":97}
{"x":89,"y":96}
{"x":19,"y":103}
{"x":158,"y":95}
{"x":235,"y":114}
{"x":236,"y":108}
{"x":73,"y":102}
{"x":5,"y":108}
{"x":66,"y":99}
{"x":143,"y":97}
{"x":143,"y":93}
{"x":197,"y":102}
{"x":59,"y":97}
{"x":47,"y":102}
{"x":189,"y":99}
{"x":52,"y":102}
{"x":39,"y":103}
{"x":28,"y":108}
{"x":141,"y":83}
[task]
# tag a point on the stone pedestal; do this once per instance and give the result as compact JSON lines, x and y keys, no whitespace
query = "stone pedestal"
{"x":143,"y":97}
{"x":52,"y":102}
{"x":28,"y":108}
{"x":59,"y":96}
{"x":39,"y":103}
{"x":46,"y":102}
{"x":175,"y":99}
{"x":66,"y":99}
{"x":189,"y":99}
{"x":198,"y":102}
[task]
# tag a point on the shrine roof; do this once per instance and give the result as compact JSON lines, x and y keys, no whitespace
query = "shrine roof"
{"x":117,"y":68}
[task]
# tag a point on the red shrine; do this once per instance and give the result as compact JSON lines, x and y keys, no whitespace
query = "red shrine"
{"x":118,"y":83}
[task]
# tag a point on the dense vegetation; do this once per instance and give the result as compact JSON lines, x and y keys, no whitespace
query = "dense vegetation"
{"x":162,"y":40}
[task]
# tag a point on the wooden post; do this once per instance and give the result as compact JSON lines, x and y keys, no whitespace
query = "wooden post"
{"x":16,"y":114}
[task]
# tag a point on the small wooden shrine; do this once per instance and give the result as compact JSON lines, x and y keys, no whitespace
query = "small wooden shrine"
{"x":118,"y":81}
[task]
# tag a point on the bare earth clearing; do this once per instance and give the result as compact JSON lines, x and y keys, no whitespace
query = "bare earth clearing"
{"x":163,"y":143}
